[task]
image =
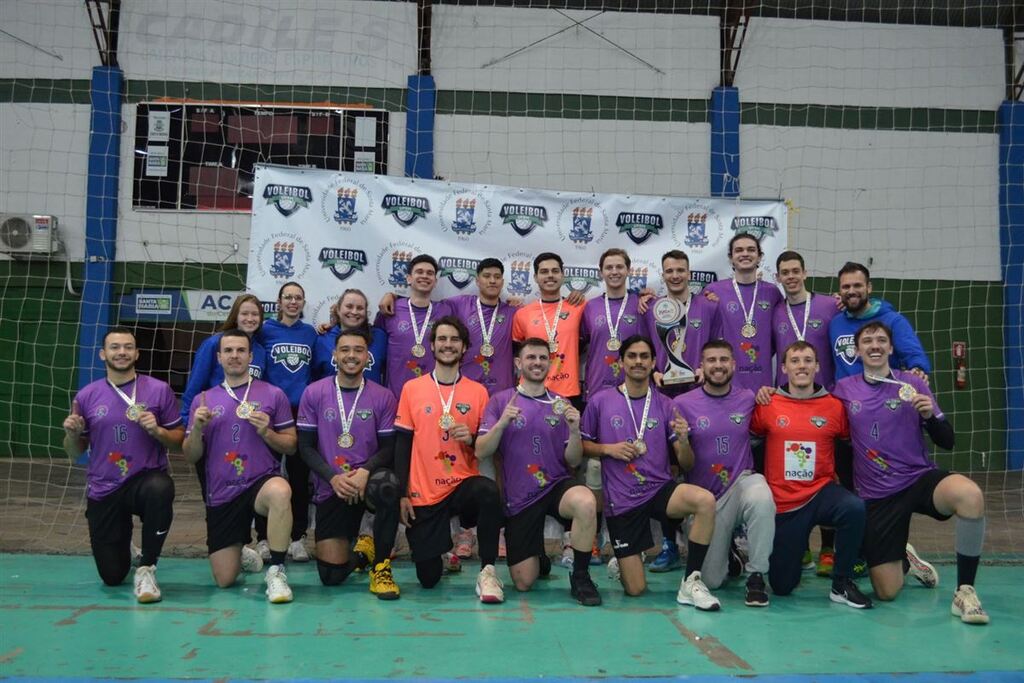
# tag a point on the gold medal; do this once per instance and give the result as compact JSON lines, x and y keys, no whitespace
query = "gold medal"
{"x":641,"y":446}
{"x":446,"y":422}
{"x":559,"y":406}
{"x":134,"y":411}
{"x":614,"y":344}
{"x":346,"y":440}
{"x":486,"y":350}
{"x":552,"y":346}
{"x":244,"y":410}
{"x":748,"y":330}
{"x":419,"y":350}
{"x":907,"y":392}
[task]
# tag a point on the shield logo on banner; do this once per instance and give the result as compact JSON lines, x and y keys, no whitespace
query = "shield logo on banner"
{"x":696,"y":230}
{"x":345,"y":213}
{"x":400,"y":268}
{"x":282,"y":263}
{"x":581,"y":219}
{"x":465,"y":212}
{"x":519,"y":278}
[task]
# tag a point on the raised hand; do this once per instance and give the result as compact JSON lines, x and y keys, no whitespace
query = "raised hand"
{"x":203,"y":414}
{"x":74,"y":424}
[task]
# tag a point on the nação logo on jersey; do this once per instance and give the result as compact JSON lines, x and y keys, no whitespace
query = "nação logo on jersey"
{"x":639,"y":226}
{"x":459,"y":271}
{"x":405,"y":209}
{"x":292,"y":356}
{"x":288,"y":199}
{"x":342,"y":262}
{"x":581,"y":278}
{"x":523,"y":217}
{"x":757,"y":226}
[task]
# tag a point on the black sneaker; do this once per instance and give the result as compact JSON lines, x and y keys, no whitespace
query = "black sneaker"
{"x":850,"y":595}
{"x":757,"y":596}
{"x":583,"y":589}
{"x":737,"y":560}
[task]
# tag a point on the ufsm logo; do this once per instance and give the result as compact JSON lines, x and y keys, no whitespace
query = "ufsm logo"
{"x":637,"y":279}
{"x":342,"y":262}
{"x":347,"y":202}
{"x":639,"y":226}
{"x":392,"y":264}
{"x":346,"y":213}
{"x":582,"y":221}
{"x":288,"y":199}
{"x":697,"y":227}
{"x":459,"y":271}
{"x":523,"y":217}
{"x":283,"y":256}
{"x":519,"y":267}
{"x":405,"y":209}
{"x":581,"y":278}
{"x":465,"y":214}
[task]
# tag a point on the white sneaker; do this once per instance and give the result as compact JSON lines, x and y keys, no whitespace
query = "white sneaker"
{"x":277,"y":585}
{"x":967,"y":606}
{"x":452,"y":563}
{"x":614,"y":573}
{"x":263,"y":548}
{"x":464,"y":544}
{"x":489,"y":586}
{"x":251,"y":560}
{"x":297,"y":551}
{"x":146,"y":588}
{"x":692,"y":591}
{"x":923,"y":571}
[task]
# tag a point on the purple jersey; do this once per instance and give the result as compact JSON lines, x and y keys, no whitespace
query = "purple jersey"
{"x":118,"y":447}
{"x":402,"y":365}
{"x":497,"y":372}
{"x":719,"y":436}
{"x":604,"y":369}
{"x":374,"y":416}
{"x":532,"y":447}
{"x":606,"y":420}
{"x":703,"y":323}
{"x":236,"y":455}
{"x":823,"y":309}
{"x":754,"y":354}
{"x":889,"y":450}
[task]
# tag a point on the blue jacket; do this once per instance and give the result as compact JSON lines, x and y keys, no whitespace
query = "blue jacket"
{"x":907,"y":349}
{"x":289,"y":356}
{"x":323,"y":355}
{"x":207,"y":373}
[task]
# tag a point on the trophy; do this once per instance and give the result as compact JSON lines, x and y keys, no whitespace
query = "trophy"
{"x":669,"y":315}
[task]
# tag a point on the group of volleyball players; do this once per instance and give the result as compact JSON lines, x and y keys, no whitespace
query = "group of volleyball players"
{"x":718,"y":413}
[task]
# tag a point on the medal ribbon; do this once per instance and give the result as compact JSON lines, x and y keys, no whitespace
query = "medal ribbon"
{"x":800,"y":332}
{"x":486,"y":330}
{"x":419,"y":332}
{"x":748,"y":316}
{"x":446,"y":406}
{"x":346,"y":420}
{"x":552,"y":332}
{"x":231,"y":392}
{"x":647,"y":408}
{"x":614,"y":331}
{"x":130,"y":400}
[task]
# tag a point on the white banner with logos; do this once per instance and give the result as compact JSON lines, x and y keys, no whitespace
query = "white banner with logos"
{"x":333,"y":231}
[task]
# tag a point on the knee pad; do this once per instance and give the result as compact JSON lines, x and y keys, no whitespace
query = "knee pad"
{"x":428,"y":573}
{"x":333,"y":574}
{"x":383,"y":488}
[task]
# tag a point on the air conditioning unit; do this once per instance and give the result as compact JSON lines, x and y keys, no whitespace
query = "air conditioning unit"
{"x":28,"y":234}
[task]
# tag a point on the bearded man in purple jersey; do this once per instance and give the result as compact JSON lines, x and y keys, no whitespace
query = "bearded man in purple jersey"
{"x":238,"y":426}
{"x":128,"y":422}
{"x":896,"y":477}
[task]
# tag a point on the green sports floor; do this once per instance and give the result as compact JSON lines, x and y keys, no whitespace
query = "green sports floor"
{"x":57,"y":621}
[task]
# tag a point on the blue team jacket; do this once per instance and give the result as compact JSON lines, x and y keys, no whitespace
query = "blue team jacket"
{"x":907,"y":349}
{"x":207,"y":373}
{"x":289,"y":356}
{"x":323,"y":355}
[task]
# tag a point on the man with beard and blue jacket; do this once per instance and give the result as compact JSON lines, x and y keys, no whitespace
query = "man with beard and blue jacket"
{"x":855,"y":290}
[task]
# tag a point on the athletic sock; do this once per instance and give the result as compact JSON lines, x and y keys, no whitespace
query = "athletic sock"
{"x":970,"y":535}
{"x":580,"y":561}
{"x":828,"y":538}
{"x":966,"y":569}
{"x":277,"y":556}
{"x":695,"y":554}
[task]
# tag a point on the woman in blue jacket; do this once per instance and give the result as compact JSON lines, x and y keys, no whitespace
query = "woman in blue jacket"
{"x":289,"y":343}
{"x":350,"y":312}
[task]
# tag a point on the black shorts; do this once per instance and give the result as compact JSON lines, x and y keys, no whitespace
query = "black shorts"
{"x":524,"y":531}
{"x":888,"y":519}
{"x":630,"y":532}
{"x":430,"y":534}
{"x":231,"y":523}
{"x":110,"y":518}
{"x":337,"y":519}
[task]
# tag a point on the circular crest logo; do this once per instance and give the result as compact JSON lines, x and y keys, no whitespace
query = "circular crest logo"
{"x":392,"y":264}
{"x":347,"y":202}
{"x":643,"y":274}
{"x":330,"y":415}
{"x":783,"y":421}
{"x":518,"y":273}
{"x":466,"y":213}
{"x":855,"y":407}
{"x":703,"y":422}
{"x":697,"y":227}
{"x":102,"y":411}
{"x":617,"y":421}
{"x":582,"y":220}
{"x":283,"y":256}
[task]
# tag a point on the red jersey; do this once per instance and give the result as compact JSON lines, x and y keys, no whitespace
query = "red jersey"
{"x":799,"y":454}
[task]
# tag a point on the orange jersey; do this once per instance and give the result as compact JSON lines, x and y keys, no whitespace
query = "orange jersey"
{"x":799,"y":450}
{"x":564,"y":375}
{"x":439,"y":463}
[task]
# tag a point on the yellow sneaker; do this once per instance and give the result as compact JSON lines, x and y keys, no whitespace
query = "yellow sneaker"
{"x":364,"y":547}
{"x":382,"y":583}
